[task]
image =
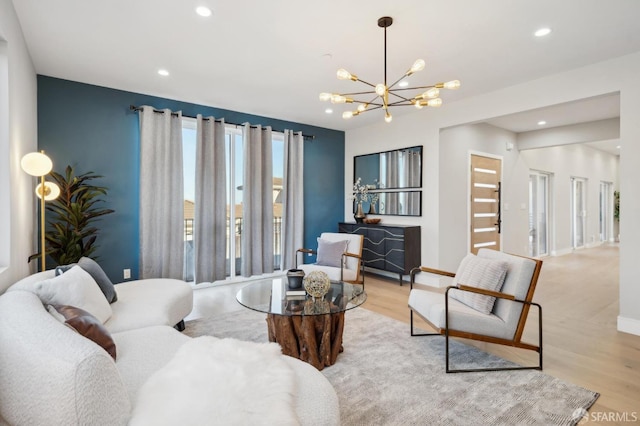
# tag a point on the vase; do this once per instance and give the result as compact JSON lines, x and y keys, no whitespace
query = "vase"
{"x":359,"y":215}
{"x":294,"y":278}
{"x":372,"y":208}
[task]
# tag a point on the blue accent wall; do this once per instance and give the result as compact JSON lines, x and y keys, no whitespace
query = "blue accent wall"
{"x":92,"y":129}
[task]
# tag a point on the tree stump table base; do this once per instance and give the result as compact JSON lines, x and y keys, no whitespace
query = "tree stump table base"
{"x":316,"y":339}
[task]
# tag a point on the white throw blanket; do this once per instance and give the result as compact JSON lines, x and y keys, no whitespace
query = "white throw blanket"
{"x":222,"y":382}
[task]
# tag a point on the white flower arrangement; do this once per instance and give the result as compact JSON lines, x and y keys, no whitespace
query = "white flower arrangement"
{"x":360,"y":192}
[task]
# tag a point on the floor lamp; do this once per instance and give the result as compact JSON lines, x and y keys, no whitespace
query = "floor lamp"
{"x":38,"y":164}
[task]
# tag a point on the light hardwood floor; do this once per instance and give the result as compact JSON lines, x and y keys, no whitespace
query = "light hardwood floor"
{"x":579,"y":296}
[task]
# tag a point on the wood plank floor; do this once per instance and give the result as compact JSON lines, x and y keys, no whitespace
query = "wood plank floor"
{"x":579,"y":297}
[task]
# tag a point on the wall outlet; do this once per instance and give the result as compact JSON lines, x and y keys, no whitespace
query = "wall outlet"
{"x":127,"y":274}
{"x":309,"y":254}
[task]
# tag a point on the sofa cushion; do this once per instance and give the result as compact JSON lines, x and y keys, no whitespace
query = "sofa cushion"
{"x":330,"y":252}
{"x":75,"y":288}
{"x":487,"y":274}
{"x":152,"y":301}
{"x":105,"y":284}
{"x":85,"y":324}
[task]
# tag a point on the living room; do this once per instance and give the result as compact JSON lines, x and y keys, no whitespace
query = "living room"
{"x":88,"y":124}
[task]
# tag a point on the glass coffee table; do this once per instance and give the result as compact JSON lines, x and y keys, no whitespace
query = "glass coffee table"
{"x":307,"y":329}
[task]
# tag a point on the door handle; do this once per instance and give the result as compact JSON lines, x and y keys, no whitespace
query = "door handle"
{"x":499,"y":222}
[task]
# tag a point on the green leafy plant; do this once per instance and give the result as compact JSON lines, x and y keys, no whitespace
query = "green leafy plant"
{"x":71,"y":233}
{"x":616,"y":205}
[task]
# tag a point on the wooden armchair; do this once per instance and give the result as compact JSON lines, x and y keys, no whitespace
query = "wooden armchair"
{"x":344,"y":264}
{"x":456,"y":312}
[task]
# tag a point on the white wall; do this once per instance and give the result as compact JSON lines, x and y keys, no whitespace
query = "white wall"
{"x":18,"y":136}
{"x":456,"y":145}
{"x":565,"y":162}
{"x":423,"y":128}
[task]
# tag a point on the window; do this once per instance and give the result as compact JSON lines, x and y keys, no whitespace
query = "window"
{"x":234,"y":173}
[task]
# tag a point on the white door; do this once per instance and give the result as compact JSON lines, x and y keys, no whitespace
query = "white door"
{"x":578,"y":212}
{"x":606,"y":213}
{"x":538,"y":213}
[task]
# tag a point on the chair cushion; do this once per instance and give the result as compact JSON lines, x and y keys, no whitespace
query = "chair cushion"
{"x":105,"y":284}
{"x":330,"y":252}
{"x":487,"y":274}
{"x":333,"y":273}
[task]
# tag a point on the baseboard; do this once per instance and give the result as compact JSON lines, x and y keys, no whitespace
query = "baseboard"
{"x":629,"y":325}
{"x":561,"y":252}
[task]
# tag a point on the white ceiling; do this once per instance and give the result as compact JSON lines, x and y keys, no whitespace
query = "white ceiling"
{"x":273,"y":58}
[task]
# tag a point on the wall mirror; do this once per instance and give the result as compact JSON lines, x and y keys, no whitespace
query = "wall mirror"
{"x":397,"y":169}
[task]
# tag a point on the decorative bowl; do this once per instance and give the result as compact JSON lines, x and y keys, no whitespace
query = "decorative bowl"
{"x":373,"y":220}
{"x":316,"y":283}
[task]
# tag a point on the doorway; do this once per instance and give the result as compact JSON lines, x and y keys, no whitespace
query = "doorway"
{"x":485,"y":189}
{"x":538,"y":213}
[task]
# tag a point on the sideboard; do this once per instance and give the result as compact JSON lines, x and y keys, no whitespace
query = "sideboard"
{"x":392,"y":248}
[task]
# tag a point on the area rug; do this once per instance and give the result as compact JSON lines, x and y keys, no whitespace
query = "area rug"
{"x":386,"y":377}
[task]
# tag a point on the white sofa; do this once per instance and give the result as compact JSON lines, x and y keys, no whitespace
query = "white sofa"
{"x":52,"y":375}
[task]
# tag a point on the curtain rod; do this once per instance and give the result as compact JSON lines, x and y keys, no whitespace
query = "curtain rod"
{"x":136,"y":108}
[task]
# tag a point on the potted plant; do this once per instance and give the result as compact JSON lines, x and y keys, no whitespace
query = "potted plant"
{"x":71,"y":233}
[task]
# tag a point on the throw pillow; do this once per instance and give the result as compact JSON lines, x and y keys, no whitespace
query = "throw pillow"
{"x":85,"y":324}
{"x":76,"y":288}
{"x":330,"y":252}
{"x":61,"y":269}
{"x":105,"y":284}
{"x":487,"y":274}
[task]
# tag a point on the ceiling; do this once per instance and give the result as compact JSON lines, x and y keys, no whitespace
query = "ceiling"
{"x":273,"y":58}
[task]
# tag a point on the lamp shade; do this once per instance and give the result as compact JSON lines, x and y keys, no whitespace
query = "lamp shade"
{"x":51,"y":191}
{"x":36,"y":164}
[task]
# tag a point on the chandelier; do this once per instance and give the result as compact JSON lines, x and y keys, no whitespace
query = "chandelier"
{"x":384,"y":96}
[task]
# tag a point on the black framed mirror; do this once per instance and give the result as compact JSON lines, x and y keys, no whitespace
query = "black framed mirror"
{"x":395,"y":169}
{"x":398,"y":203}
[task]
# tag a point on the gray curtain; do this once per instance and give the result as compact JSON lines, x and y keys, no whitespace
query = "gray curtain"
{"x":293,"y":202}
{"x":210,"y":218}
{"x":257,"y":202}
{"x":161,"y":194}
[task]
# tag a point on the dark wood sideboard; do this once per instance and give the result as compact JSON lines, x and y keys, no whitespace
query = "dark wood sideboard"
{"x":392,"y":248}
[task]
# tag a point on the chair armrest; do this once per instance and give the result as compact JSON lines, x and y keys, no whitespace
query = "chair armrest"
{"x":344,"y":262}
{"x":418,"y":269}
{"x":352,"y":255}
{"x":303,"y":250}
{"x":478,"y":290}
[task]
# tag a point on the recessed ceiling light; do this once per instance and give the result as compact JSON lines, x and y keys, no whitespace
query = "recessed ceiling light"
{"x":403,"y":84}
{"x":541,"y":123}
{"x":163,"y":72}
{"x":328,"y":111}
{"x":618,"y":146}
{"x":203,"y":11}
{"x":542,"y":32}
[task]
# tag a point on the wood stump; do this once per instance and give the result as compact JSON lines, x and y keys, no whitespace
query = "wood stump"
{"x":316,"y":339}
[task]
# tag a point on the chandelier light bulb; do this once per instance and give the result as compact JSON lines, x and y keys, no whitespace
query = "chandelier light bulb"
{"x":418,"y":104}
{"x":325,"y":96}
{"x":431,"y":93}
{"x":387,"y":117}
{"x":434,"y":102}
{"x":344,"y":74}
{"x":452,"y":85}
{"x":338,"y":99}
{"x":347,"y":115}
{"x":362,"y":107}
{"x":380,"y":89}
{"x":418,"y":65}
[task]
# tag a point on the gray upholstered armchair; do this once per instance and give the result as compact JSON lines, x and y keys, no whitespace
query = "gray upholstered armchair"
{"x":488,"y":301}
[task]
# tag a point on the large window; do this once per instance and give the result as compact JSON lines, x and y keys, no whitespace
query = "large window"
{"x":234,"y":173}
